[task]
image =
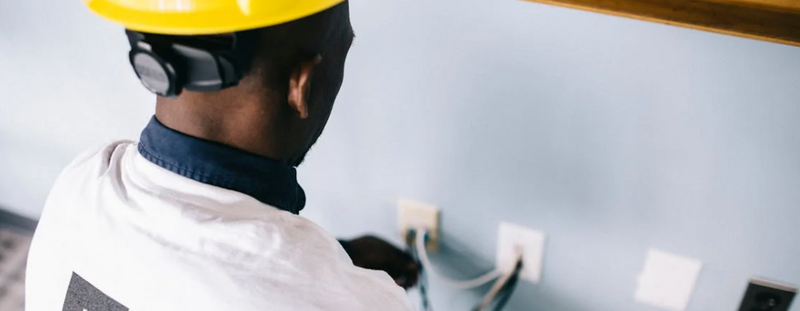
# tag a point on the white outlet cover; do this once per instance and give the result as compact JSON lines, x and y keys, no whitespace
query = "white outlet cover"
{"x":514,"y":240}
{"x":667,"y":280}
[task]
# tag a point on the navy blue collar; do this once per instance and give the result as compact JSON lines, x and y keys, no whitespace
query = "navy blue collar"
{"x":267,"y":180}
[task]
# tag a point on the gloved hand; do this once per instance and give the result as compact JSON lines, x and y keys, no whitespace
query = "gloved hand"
{"x":370,"y":252}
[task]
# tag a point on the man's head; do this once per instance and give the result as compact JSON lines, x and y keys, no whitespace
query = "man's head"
{"x":282,"y":104}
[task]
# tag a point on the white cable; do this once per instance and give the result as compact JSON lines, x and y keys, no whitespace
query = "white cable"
{"x":492,"y":294}
{"x":496,"y":288}
{"x":428,"y":266}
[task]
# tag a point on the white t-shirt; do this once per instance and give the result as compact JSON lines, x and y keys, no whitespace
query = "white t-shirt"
{"x":121,"y":233}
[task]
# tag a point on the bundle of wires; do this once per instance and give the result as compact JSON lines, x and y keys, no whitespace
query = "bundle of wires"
{"x":501,"y":291}
{"x":498,"y":295}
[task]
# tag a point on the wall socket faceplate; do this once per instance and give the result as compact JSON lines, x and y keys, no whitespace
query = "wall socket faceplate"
{"x":417,"y":215}
{"x":513,"y":241}
{"x":767,"y":295}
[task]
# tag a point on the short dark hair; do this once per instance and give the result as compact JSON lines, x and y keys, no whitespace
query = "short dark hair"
{"x":281,"y":47}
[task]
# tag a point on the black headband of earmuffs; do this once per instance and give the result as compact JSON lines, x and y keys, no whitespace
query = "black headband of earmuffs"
{"x":168,"y":64}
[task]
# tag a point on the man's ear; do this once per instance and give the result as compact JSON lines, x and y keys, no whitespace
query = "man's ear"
{"x":300,"y":86}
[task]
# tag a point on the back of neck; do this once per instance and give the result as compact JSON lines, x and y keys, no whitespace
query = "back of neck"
{"x":236,"y":122}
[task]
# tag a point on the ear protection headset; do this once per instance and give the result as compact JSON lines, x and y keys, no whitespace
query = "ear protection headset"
{"x":168,"y":64}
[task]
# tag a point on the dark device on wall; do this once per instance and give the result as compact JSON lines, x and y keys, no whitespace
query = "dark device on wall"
{"x":764,"y":295}
{"x":168,"y":64}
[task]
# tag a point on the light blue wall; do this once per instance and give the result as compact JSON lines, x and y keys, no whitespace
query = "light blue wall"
{"x":610,"y":135}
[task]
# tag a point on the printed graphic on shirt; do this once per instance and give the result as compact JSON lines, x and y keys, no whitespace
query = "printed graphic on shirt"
{"x":83,"y":296}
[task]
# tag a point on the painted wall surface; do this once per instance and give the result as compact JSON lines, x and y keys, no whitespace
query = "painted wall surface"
{"x":610,"y":135}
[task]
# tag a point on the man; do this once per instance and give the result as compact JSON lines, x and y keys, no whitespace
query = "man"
{"x":200,"y":214}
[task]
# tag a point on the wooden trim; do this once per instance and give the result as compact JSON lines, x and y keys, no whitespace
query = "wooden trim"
{"x":768,"y":20}
{"x":779,"y":5}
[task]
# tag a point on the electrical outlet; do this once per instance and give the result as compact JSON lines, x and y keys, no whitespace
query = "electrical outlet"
{"x":667,"y":280}
{"x":514,"y":241}
{"x":762,"y":295}
{"x":416,"y":215}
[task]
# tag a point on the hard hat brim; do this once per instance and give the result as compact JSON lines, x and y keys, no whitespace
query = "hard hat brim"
{"x":188,"y":22}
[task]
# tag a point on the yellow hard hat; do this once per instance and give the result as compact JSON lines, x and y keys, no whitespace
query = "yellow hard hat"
{"x":202,"y":17}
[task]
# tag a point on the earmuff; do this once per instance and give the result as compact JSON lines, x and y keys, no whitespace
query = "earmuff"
{"x":168,"y":64}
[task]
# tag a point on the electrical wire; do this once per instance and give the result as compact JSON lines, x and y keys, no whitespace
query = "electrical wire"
{"x":498,"y":295}
{"x":462,"y":284}
{"x":493,"y":293}
{"x":423,"y":275}
{"x":505,"y":295}
{"x":502,"y":289}
{"x":423,"y":292}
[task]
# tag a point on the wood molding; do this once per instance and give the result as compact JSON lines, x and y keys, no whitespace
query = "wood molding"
{"x":768,"y":20}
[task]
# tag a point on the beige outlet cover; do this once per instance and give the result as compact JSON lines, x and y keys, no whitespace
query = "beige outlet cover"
{"x":417,"y":215}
